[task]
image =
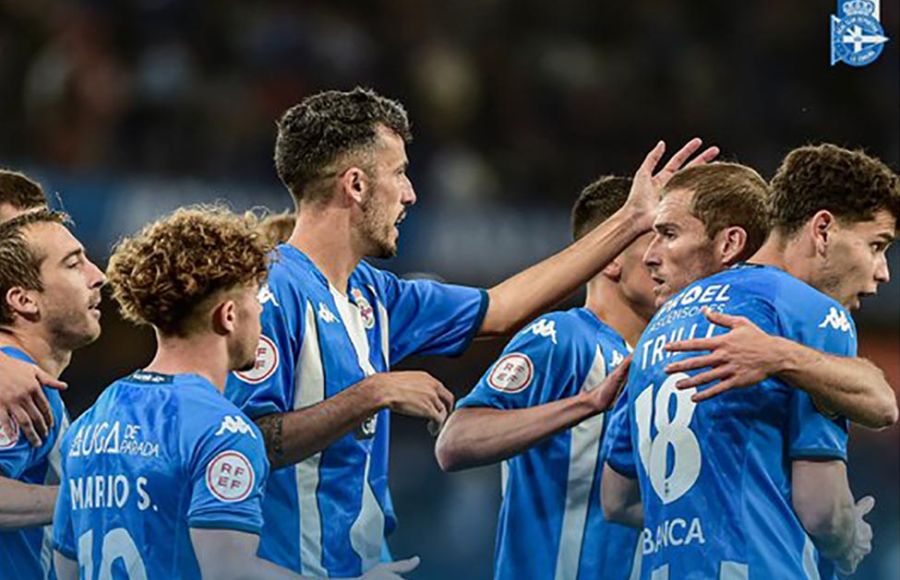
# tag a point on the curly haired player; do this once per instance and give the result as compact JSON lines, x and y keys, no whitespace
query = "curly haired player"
{"x":163,"y":476}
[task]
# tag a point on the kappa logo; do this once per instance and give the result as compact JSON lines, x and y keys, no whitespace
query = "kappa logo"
{"x":326,"y":315}
{"x":512,"y":373}
{"x":617,"y":358}
{"x":365,"y":309}
{"x":266,"y":362}
{"x":265,"y":296}
{"x":545,"y":328}
{"x":8,"y":440}
{"x":230,"y":476}
{"x":235,"y":424}
{"x":837,"y":320}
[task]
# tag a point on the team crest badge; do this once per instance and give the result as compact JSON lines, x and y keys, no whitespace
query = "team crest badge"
{"x":365,"y":309}
{"x":266,"y":362}
{"x":857,"y":38}
{"x":7,"y":439}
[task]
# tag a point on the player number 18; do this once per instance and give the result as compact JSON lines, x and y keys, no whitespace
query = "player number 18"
{"x":117,"y":544}
{"x":672,"y":431}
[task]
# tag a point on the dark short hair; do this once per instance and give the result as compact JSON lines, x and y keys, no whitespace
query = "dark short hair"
{"x":597,"y":202}
{"x":20,"y":262}
{"x":727,"y":195}
{"x":850,"y":184}
{"x":20,"y":191}
{"x":324,"y":127}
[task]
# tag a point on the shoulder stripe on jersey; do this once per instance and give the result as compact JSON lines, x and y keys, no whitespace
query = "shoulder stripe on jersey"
{"x":309,"y":389}
{"x":385,"y":327}
{"x":367,"y":532}
{"x":584,"y":451}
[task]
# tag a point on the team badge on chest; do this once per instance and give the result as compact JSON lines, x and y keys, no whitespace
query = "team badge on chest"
{"x":365,"y":309}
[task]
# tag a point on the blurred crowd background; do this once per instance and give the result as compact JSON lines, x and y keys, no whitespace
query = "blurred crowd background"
{"x":127,"y":109}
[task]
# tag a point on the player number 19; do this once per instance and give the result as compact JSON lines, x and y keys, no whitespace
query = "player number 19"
{"x":117,"y":544}
{"x":674,"y":432}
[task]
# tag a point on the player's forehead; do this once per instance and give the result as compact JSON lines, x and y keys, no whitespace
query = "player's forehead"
{"x":53,"y":240}
{"x":675,"y":210}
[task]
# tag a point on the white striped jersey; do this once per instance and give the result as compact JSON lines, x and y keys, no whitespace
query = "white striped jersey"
{"x":551,"y":522}
{"x":28,"y":552}
{"x":715,"y":476}
{"x":328,"y":515}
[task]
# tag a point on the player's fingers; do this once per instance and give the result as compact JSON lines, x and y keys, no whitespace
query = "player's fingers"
{"x":722,"y":319}
{"x":7,"y":426}
{"x":865,"y":505}
{"x":692,"y":364}
{"x":403,"y":566}
{"x":682,"y":155}
{"x":708,"y":155}
{"x":37,"y":417}
{"x":49,"y":380}
{"x":43,"y":406}
{"x":714,"y":391}
{"x":652,"y":159}
{"x":446,"y":397}
{"x":692,"y":344}
{"x":701,"y":379}
{"x":26,"y":426}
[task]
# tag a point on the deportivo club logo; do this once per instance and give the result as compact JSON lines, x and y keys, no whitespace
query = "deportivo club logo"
{"x":857,"y":38}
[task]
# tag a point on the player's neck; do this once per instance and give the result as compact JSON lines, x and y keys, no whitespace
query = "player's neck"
{"x":51,"y":360}
{"x":785,"y":254}
{"x":614,"y":310}
{"x":326,"y":236}
{"x":199,"y":355}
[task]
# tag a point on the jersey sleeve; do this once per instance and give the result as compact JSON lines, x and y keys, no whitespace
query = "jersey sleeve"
{"x":269,"y":386}
{"x":535,"y":368}
{"x":63,"y":533}
{"x":17,"y":454}
{"x":430,"y":318}
{"x":228,"y":469}
{"x":617,"y":449}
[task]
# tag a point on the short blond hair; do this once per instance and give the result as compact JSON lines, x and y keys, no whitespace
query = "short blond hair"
{"x":165,"y":275}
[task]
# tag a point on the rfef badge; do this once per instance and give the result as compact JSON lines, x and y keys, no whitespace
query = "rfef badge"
{"x":857,"y":37}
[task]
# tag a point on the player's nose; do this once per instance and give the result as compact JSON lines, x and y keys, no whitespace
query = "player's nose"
{"x":651,"y":256}
{"x":882,"y":270}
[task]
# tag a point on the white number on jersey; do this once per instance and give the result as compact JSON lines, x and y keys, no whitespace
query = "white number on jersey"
{"x":671,"y":431}
{"x":117,"y":544}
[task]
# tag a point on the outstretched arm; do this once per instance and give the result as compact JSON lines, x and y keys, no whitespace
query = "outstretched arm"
{"x":293,"y":436}
{"x":23,"y":505}
{"x":520,"y":298}
{"x":231,"y":555}
{"x":482,"y":435}
{"x":621,"y":498}
{"x":850,"y":386}
{"x":821,"y":497}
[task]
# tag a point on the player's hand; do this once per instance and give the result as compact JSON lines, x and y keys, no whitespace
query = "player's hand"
{"x":646,"y":185}
{"x":414,"y":393}
{"x":862,"y":538}
{"x":392,"y":570}
{"x":22,"y":400}
{"x":742,"y":357}
{"x":603,"y":396}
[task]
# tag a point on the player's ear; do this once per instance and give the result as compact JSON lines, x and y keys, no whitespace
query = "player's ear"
{"x":613,"y":270}
{"x":355,"y":184}
{"x":821,"y":226}
{"x":22,"y":302}
{"x":224,"y":317}
{"x":732,"y":242}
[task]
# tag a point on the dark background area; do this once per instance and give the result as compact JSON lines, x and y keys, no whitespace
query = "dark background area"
{"x":127,"y":109}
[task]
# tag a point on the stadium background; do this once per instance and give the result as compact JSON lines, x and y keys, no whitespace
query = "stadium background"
{"x":127,"y":109}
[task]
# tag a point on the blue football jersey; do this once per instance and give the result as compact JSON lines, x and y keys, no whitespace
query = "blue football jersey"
{"x":155,"y":456}
{"x":27,"y":552}
{"x":328,"y":515}
{"x":715,"y":477}
{"x":551,"y":522}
